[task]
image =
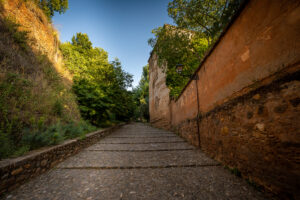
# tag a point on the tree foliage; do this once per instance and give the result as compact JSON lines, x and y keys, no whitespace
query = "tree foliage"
{"x":52,"y":6}
{"x":174,"y":46}
{"x":204,"y":16}
{"x":141,"y":96}
{"x":100,"y":85}
{"x":82,"y":40}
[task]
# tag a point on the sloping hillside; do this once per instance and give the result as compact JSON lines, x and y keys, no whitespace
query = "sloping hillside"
{"x":35,"y":90}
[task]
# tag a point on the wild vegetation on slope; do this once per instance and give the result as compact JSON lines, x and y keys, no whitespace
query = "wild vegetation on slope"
{"x":37,"y":107}
{"x":199,"y":24}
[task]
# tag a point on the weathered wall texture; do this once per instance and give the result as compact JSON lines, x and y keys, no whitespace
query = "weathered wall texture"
{"x":158,"y":97}
{"x":249,"y":91}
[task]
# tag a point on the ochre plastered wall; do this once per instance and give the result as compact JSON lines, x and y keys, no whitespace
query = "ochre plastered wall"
{"x":263,"y":39}
{"x":249,"y":94}
{"x":158,"y":95}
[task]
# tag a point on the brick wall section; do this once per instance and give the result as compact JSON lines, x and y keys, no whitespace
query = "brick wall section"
{"x":14,"y":172}
{"x":249,"y":91}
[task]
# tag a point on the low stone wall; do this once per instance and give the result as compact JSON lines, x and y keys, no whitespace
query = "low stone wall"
{"x":14,"y":172}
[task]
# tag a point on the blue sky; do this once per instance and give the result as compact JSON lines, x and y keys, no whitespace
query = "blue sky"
{"x":120,"y":27}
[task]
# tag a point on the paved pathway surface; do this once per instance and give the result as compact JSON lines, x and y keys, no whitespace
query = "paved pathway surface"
{"x":137,"y":162}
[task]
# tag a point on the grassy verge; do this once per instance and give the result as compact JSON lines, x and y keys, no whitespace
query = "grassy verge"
{"x":42,"y":136}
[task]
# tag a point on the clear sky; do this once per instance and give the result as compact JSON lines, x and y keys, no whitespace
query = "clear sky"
{"x":120,"y":27}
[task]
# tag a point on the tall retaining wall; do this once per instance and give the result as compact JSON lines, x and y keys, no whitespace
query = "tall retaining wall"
{"x":249,"y":94}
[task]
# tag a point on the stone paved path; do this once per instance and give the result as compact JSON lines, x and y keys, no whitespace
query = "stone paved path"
{"x":137,"y":162}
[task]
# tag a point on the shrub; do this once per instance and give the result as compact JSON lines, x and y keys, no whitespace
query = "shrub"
{"x":21,"y":150}
{"x":72,"y":130}
{"x":6,"y":145}
{"x":55,"y":134}
{"x":42,"y":136}
{"x":14,"y":95}
{"x":36,"y":139}
{"x":57,"y":108}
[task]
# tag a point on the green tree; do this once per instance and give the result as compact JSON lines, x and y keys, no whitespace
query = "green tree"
{"x":203,"y":16}
{"x":52,"y":6}
{"x":100,"y":85}
{"x":82,"y":40}
{"x":141,"y":96}
{"x":174,"y":46}
{"x":117,"y":92}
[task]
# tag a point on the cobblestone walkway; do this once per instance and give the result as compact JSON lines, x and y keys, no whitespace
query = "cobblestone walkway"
{"x":137,"y":162}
